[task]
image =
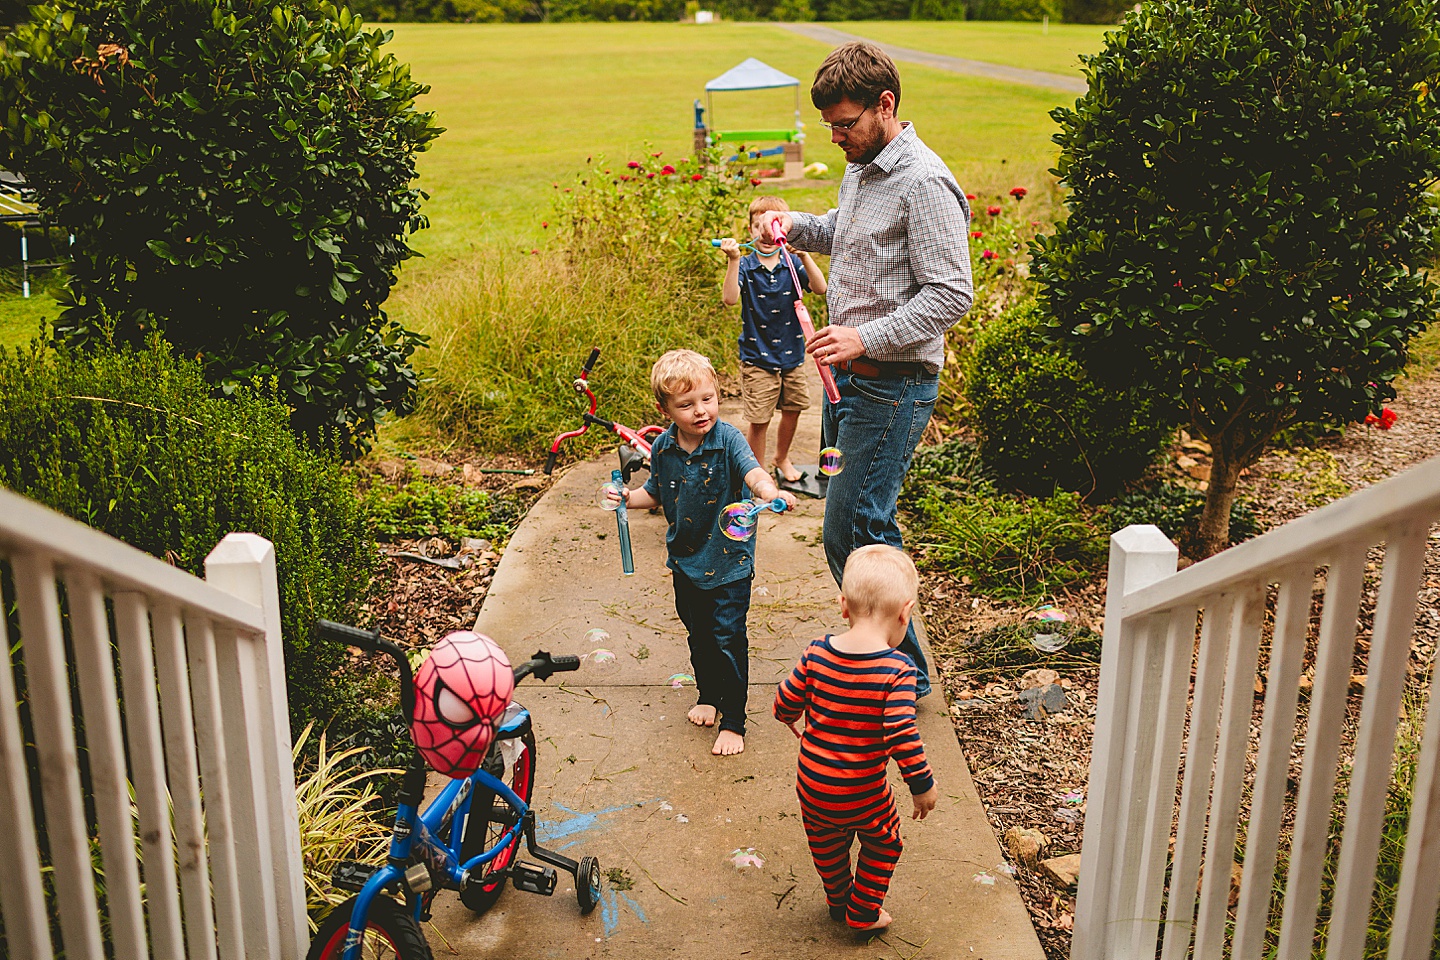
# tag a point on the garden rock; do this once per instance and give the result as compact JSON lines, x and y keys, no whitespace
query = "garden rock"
{"x":1040,"y":702}
{"x":1064,"y":871}
{"x":1025,"y":844}
{"x":1039,"y":677}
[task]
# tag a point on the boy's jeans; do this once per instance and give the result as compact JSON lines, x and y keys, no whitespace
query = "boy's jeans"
{"x":876,"y":424}
{"x":719,"y":647}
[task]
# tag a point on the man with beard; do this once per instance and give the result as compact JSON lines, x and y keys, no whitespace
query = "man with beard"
{"x":898,"y":239}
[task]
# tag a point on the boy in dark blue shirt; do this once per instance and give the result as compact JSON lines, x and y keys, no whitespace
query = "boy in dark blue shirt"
{"x":698,"y":466}
{"x":772,"y":348}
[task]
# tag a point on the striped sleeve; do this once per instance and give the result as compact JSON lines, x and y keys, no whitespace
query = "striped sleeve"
{"x":902,"y":733}
{"x":790,"y":697}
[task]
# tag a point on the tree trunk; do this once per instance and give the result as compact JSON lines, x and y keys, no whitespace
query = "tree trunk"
{"x":1225,"y":466}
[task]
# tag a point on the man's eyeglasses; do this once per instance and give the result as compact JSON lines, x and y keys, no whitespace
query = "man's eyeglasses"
{"x":844,"y":124}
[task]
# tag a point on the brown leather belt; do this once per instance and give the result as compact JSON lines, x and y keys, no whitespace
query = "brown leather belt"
{"x":883,"y":369}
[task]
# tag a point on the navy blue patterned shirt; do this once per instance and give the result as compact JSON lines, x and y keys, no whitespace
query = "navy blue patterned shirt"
{"x":693,"y":489}
{"x":770,"y":336}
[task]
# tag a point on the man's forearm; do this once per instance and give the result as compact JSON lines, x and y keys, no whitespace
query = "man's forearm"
{"x":812,"y":232}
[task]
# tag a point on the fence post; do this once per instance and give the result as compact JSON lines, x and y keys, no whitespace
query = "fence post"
{"x":1139,"y":556}
{"x":243,"y":565}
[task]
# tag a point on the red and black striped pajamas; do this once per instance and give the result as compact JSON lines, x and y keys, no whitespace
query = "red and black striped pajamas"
{"x":859,"y":712}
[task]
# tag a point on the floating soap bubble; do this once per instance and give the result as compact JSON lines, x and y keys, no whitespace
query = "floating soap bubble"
{"x":737,"y":521}
{"x":595,"y":635}
{"x":602,"y":496}
{"x":832,"y":461}
{"x":601,"y":661}
{"x":678,"y":680}
{"x":1050,"y":642}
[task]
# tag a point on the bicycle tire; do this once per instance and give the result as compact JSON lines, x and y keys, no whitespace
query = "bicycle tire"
{"x":390,"y":931}
{"x":483,"y":829}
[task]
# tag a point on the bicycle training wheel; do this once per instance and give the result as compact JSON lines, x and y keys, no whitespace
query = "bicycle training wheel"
{"x":390,"y":932}
{"x":490,"y":818}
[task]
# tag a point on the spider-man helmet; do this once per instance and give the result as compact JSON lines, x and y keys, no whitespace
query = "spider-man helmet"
{"x":461,"y":691}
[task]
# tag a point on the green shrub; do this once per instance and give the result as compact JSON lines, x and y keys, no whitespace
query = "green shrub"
{"x":631,"y":272}
{"x":132,"y":443}
{"x":1011,"y":547}
{"x":1176,"y":511}
{"x":422,"y":508}
{"x":1252,"y":222}
{"x":239,"y":177}
{"x":1043,"y":424}
{"x":954,"y":467}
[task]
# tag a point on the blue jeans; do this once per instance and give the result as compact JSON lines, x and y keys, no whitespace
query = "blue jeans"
{"x":719,"y":645}
{"x":876,"y":424}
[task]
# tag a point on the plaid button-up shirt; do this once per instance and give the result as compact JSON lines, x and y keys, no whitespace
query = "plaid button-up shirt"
{"x":899,"y":250}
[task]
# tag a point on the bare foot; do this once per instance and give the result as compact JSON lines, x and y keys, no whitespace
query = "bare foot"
{"x":728,"y":744}
{"x":702,"y":715}
{"x":787,"y":470}
{"x":881,"y":922}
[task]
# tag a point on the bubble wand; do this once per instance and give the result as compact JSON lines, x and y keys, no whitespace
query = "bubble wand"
{"x":827,"y":378}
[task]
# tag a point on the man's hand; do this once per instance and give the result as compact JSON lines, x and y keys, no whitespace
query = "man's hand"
{"x":836,"y":344}
{"x":925,"y":802}
{"x":786,"y":225}
{"x":616,"y":496}
{"x":730,"y":248}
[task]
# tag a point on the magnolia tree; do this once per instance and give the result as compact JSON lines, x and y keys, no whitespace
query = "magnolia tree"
{"x":238,"y":176}
{"x":1250,"y":217}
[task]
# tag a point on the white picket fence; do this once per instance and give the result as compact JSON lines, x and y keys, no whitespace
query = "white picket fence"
{"x":1142,"y":854}
{"x":193,"y":747}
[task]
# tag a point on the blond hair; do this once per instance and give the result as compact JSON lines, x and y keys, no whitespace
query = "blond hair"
{"x":767,"y":205}
{"x":879,"y":580}
{"x":678,"y":371}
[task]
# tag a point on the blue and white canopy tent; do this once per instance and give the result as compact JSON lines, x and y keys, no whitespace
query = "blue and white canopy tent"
{"x":751,"y":75}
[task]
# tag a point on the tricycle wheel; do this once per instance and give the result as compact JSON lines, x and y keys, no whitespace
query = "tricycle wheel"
{"x":587,"y":884}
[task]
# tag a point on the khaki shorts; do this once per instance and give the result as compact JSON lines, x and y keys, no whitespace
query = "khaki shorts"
{"x":764,"y":390}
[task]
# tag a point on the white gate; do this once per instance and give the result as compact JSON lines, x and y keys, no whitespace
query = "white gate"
{"x":197,"y":732}
{"x":1132,"y":862}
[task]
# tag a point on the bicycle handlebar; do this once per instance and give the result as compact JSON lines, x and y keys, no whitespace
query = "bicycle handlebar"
{"x":542,"y":665}
{"x":372,"y":641}
{"x":594,"y":355}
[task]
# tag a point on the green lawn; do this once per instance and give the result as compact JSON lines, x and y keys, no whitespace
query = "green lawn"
{"x":524,"y":105}
{"x":20,"y":317}
{"x":1054,"y":49}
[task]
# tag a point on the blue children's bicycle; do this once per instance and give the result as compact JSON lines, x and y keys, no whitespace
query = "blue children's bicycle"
{"x":468,"y":838}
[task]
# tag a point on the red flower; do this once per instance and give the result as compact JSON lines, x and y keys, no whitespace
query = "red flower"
{"x":633,"y":165}
{"x":1180,"y":283}
{"x":971,"y":196}
{"x":545,"y":224}
{"x":625,"y":177}
{"x":649,"y":176}
{"x":993,"y":211}
{"x":988,"y":255}
{"x":754,"y":182}
{"x":534,"y":251}
{"x":976,"y":234}
{"x":697,"y":176}
{"x":667,"y":170}
{"x":657,"y":155}
{"x":1018,"y":192}
{"x":1385,"y":421}
{"x":607,"y":172}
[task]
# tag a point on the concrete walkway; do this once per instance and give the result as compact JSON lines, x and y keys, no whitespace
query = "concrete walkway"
{"x":622,"y":776}
{"x":974,"y":68}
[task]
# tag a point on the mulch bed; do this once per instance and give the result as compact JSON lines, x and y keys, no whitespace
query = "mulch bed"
{"x":1032,"y":774}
